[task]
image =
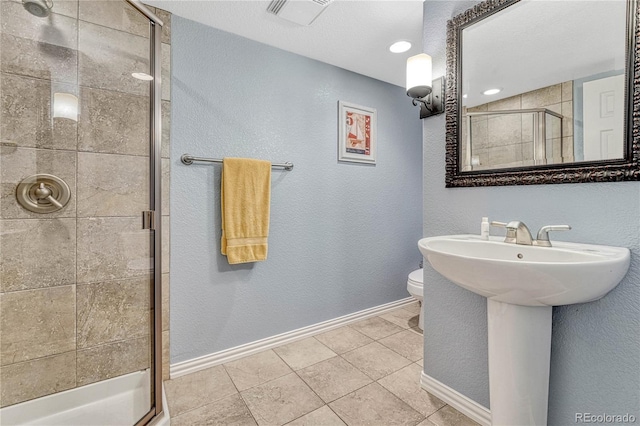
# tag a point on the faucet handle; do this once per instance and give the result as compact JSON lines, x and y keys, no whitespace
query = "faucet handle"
{"x":542,"y":239}
{"x":500,"y":224}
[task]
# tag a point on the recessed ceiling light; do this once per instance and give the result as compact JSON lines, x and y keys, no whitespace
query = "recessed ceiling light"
{"x":465,"y":96}
{"x":400,"y":46}
{"x":491,"y":92}
{"x":141,"y":76}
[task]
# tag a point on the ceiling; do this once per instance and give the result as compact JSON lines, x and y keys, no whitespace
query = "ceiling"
{"x":350,"y":34}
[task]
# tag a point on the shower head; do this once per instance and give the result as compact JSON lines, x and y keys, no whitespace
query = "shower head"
{"x":39,"y":8}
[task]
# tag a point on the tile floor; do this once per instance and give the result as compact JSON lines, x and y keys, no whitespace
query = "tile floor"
{"x":365,"y":373}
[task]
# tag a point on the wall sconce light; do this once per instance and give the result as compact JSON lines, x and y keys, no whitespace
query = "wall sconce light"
{"x":428,"y":93}
{"x":65,"y":105}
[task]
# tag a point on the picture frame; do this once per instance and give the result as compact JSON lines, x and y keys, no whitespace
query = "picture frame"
{"x":357,"y":133}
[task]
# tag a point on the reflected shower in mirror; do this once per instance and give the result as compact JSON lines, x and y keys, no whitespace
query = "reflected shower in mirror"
{"x":543,"y":83}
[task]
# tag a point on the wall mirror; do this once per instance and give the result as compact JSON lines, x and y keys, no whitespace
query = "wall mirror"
{"x":543,"y":92}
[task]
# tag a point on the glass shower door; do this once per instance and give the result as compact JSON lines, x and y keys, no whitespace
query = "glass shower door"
{"x":76,"y":163}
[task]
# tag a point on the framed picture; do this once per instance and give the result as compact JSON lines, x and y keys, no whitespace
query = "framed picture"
{"x":357,"y":133}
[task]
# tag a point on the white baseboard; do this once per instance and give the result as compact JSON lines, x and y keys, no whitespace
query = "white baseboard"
{"x":466,"y":406}
{"x":196,"y":364}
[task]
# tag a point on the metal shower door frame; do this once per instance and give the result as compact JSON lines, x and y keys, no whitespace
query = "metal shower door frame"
{"x":155,"y":199}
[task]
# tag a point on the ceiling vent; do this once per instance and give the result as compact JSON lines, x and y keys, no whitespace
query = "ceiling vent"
{"x":302,"y":12}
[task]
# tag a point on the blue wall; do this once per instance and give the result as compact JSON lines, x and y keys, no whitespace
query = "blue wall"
{"x":343,"y":235}
{"x":595,"y":361}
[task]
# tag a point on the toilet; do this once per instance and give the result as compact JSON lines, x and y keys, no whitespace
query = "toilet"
{"x":414,"y":287}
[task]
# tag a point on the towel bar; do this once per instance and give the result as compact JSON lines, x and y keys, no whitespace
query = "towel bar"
{"x":189,"y":159}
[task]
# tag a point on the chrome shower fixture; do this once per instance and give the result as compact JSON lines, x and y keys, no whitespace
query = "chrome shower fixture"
{"x":39,"y":8}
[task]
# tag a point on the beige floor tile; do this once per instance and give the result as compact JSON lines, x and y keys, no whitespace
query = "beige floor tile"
{"x":376,"y":360}
{"x":448,"y":416}
{"x":405,"y":384}
{"x":281,"y":400}
{"x":197,"y":389}
{"x":227,"y":411}
{"x":413,"y":308}
{"x":304,"y":353}
{"x":343,"y":339}
{"x":402,"y":317}
{"x":333,"y":378}
{"x":256,"y":369}
{"x":426,"y":422}
{"x":420,"y":362}
{"x":374,"y":405}
{"x":376,"y":327}
{"x":323,"y":416}
{"x":407,"y":343}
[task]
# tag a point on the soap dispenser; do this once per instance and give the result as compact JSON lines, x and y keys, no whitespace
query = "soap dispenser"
{"x":484,"y":228}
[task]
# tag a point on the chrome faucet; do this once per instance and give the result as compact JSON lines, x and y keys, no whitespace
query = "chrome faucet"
{"x":518,"y":233}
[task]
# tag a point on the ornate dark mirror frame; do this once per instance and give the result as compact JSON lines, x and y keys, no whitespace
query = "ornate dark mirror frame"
{"x":595,"y":171}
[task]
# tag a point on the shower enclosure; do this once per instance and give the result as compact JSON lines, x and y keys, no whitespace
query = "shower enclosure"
{"x":80,"y":212}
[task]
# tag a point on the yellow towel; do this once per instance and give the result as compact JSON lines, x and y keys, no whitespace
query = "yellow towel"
{"x":245,"y":200}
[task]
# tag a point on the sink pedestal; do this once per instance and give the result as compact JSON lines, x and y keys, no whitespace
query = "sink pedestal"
{"x":519,"y":359}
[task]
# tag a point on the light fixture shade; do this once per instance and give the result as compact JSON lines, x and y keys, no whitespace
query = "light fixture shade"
{"x":65,"y":105}
{"x":419,"y":75}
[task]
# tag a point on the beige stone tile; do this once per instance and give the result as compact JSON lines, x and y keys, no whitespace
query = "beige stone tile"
{"x":116,"y":15}
{"x":567,"y":91}
{"x":111,"y":249}
{"x":198,"y":389}
{"x":107,"y":58}
{"x":165,"y":17}
{"x":281,"y":400}
{"x":426,"y":422}
{"x":333,"y":378}
{"x":227,"y":411}
{"x":405,"y":384}
{"x":343,"y":339}
{"x":32,"y":379}
{"x":504,"y":130}
{"x":112,"y":185}
{"x":505,"y":155}
{"x":113,"y":311}
{"x":166,"y":297}
{"x":568,"y":149}
{"x":42,"y":48}
{"x":323,"y":416}
{"x":479,"y":108}
{"x":448,"y":416}
{"x":374,"y":405}
{"x":26,"y":260}
{"x":402,"y":317}
{"x":505,"y":104}
{"x":479,"y":133}
{"x":166,"y":355}
{"x":37,"y":323}
{"x":27,"y":120}
{"x":527,"y":127}
{"x":166,"y":186}
{"x":16,"y":164}
{"x":256,"y":369}
{"x":166,"y":129}
{"x":542,"y":97}
{"x":420,"y":362}
{"x":304,"y":353}
{"x":113,"y":122}
{"x":112,"y":360}
{"x":567,"y":121}
{"x":375,"y":328}
{"x":376,"y":360}
{"x":407,"y":343}
{"x":39,"y":59}
{"x":166,"y":72}
{"x":166,"y":244}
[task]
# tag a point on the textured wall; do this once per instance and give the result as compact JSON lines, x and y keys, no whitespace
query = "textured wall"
{"x":594,"y":361}
{"x":343,"y":236}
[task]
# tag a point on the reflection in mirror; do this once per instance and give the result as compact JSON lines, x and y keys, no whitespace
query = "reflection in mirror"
{"x":543,"y":83}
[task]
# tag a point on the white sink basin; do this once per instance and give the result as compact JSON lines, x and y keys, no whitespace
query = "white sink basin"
{"x":564,"y":274}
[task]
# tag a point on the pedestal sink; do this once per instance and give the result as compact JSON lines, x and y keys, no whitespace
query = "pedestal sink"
{"x":521,"y":284}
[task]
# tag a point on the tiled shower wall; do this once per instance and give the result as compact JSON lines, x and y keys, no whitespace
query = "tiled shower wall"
{"x":75,"y":298}
{"x":507,"y":140}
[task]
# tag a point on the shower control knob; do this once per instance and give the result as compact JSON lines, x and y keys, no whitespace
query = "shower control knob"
{"x":43,"y":193}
